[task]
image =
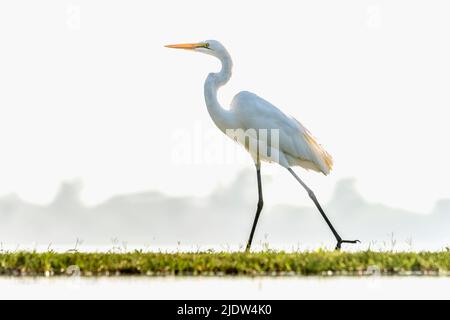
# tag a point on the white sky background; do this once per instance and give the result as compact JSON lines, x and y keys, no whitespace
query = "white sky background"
{"x":87,"y":91}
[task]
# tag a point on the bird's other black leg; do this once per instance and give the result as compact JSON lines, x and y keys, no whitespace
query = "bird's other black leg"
{"x":311,"y":194}
{"x":258,"y":208}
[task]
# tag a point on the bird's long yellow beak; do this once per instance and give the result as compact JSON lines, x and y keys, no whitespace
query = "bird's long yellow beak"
{"x":187,"y":46}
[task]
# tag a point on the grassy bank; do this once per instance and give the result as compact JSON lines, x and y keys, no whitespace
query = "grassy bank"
{"x":264,"y":263}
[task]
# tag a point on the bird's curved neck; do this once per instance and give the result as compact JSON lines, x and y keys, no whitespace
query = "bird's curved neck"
{"x":221,"y":117}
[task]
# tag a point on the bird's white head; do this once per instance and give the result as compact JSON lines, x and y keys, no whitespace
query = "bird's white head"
{"x":211,"y":47}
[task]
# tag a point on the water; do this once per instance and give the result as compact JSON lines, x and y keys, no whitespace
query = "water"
{"x":370,"y":287}
{"x":122,"y":246}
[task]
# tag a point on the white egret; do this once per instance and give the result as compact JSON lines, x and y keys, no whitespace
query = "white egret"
{"x":295,"y":146}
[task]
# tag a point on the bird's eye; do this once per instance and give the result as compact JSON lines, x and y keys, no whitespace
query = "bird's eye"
{"x":206,"y":45}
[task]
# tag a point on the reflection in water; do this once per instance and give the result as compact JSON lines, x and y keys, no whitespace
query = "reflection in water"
{"x":370,"y":287}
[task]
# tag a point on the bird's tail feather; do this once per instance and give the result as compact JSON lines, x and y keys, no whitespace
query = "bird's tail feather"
{"x":324,"y":158}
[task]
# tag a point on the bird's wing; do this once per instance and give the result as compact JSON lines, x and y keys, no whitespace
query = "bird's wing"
{"x":295,"y":141}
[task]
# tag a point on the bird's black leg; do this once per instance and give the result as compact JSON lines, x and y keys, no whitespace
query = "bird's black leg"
{"x":311,"y":194}
{"x":258,"y":208}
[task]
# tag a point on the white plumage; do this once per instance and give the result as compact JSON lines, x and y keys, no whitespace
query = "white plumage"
{"x":253,"y":115}
{"x":297,"y":147}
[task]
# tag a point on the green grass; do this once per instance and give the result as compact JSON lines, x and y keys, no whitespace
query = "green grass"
{"x":206,"y":263}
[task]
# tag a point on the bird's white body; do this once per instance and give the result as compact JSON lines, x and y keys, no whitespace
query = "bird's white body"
{"x":296,"y":146}
{"x":251,"y":113}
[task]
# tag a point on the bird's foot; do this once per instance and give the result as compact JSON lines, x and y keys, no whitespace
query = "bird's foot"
{"x":340,"y":242}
